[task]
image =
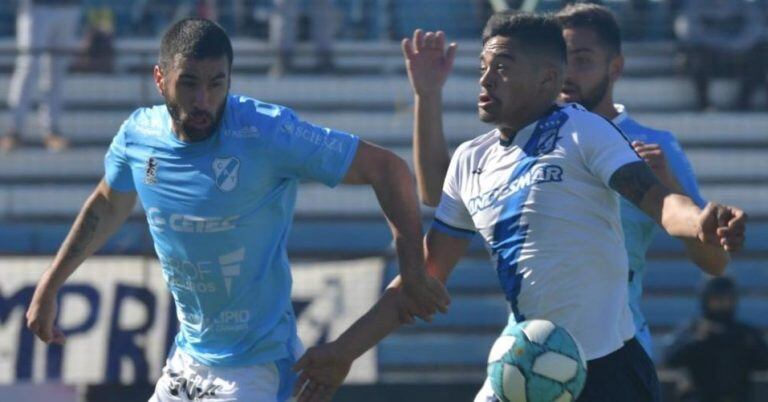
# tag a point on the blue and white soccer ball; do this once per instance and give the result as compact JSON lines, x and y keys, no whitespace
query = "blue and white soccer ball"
{"x":536,"y":361}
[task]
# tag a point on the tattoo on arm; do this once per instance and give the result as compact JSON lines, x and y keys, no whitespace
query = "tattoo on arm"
{"x":83,"y":234}
{"x":633,"y":181}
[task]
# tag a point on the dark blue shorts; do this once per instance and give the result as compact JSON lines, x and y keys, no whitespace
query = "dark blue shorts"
{"x":626,"y":375}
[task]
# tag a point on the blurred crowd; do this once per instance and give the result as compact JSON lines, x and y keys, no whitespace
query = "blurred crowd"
{"x":716,"y":38}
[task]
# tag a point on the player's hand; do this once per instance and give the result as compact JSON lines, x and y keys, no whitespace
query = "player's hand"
{"x":654,"y":157}
{"x":423,"y":296}
{"x":722,"y":225}
{"x":427,"y":61}
{"x":41,"y":315}
{"x":323,"y":369}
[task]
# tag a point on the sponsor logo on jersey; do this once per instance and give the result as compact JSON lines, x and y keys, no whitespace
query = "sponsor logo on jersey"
{"x":225,"y":172}
{"x":243,"y":132}
{"x":150,"y":171}
{"x":315,"y":135}
{"x":230,"y":267}
{"x":189,"y":223}
{"x":146,"y":124}
{"x":539,"y":174}
{"x":202,"y":276}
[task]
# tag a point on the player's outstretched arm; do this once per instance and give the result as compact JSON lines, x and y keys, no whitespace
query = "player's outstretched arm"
{"x":428,"y":64}
{"x":709,"y":258}
{"x":103,"y":212}
{"x":392,"y":181}
{"x":323,"y":368}
{"x":716,"y":226}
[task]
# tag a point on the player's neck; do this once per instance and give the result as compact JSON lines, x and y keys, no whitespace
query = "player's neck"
{"x":606,"y":108}
{"x":181,"y":135}
{"x":509,"y":131}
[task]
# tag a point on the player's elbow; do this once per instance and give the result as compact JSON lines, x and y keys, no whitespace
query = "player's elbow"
{"x":394,"y":168}
{"x":429,"y":199}
{"x":378,"y":167}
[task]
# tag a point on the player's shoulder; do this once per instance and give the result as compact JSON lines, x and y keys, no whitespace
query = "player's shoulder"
{"x":477,"y":145}
{"x":647,"y":134}
{"x":144,"y":123}
{"x":252,"y":118}
{"x":582,"y":119}
{"x":245,"y":108}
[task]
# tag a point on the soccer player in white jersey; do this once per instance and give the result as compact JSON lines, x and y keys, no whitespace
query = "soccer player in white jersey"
{"x":595,"y":63}
{"x":542,"y":189}
{"x":217,"y":175}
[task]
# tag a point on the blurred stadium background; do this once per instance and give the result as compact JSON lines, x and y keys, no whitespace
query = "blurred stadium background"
{"x":116,"y":309}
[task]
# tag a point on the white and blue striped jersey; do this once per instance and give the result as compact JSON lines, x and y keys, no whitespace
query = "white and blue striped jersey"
{"x":639,"y":228}
{"x":543,"y":204}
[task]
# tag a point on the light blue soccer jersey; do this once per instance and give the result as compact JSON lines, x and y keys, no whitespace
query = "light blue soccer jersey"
{"x":639,"y":228}
{"x":219,"y":212}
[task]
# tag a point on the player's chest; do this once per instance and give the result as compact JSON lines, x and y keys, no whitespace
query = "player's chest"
{"x":220,"y":178}
{"x":504,"y":178}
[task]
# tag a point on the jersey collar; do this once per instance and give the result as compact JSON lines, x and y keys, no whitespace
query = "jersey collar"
{"x":527,"y":130}
{"x":622,"y":114}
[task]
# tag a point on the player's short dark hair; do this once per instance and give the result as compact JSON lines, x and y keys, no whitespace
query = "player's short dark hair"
{"x":197,"y":38}
{"x":595,"y":17}
{"x":538,"y":34}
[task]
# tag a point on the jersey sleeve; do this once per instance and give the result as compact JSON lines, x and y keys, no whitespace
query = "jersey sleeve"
{"x":305,"y":151}
{"x":682,"y":170}
{"x":117,"y":169}
{"x":604,"y":147}
{"x":452,"y":216}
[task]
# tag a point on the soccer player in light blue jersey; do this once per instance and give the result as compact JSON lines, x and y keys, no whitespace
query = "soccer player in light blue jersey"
{"x":217,"y":175}
{"x":595,"y":63}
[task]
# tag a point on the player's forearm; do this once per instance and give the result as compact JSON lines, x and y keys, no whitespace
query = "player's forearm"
{"x":710,"y":258}
{"x":430,"y":151}
{"x":382,"y":319}
{"x":397,"y":196}
{"x":677,"y":214}
{"x":96,"y":222}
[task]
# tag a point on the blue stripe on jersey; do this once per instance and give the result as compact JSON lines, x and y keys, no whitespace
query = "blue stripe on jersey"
{"x":509,"y":233}
{"x":452,"y":231}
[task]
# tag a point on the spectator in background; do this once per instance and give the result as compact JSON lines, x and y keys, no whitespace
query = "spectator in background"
{"x":41,"y":25}
{"x":283,"y":32}
{"x":718,"y":351}
{"x":98,"y":53}
{"x":722,"y":36}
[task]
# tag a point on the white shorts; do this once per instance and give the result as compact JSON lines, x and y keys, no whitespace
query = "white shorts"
{"x":186,"y":380}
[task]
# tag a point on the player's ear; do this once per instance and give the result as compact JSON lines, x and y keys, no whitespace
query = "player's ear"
{"x":157,"y":74}
{"x":551,"y":78}
{"x":616,"y":67}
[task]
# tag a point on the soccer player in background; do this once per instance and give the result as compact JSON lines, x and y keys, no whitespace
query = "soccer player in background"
{"x":595,"y":63}
{"x":542,"y":190}
{"x":217,"y":175}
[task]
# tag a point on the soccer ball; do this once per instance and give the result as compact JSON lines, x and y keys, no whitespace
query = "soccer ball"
{"x":536,"y":361}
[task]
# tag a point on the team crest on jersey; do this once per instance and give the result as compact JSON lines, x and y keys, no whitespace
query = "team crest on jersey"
{"x":548,"y":141}
{"x":150,"y":171}
{"x":545,"y":137}
{"x":225,"y":171}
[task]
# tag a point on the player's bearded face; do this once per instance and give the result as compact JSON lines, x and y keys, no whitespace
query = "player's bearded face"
{"x":195,"y":94}
{"x":585,"y":94}
{"x":587,"y":78}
